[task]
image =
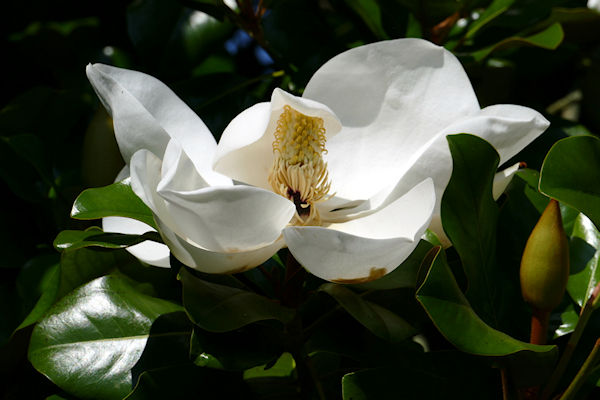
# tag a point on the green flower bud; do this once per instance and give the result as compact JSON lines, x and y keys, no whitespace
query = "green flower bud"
{"x":545,"y":262}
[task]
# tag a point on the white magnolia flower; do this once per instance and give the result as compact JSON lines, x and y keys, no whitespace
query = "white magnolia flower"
{"x":346,"y":176}
{"x":396,"y":101}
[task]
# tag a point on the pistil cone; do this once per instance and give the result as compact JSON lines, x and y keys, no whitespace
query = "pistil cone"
{"x":545,"y":269}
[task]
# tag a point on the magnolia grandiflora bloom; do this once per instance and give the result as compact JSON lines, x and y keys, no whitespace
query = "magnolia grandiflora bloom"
{"x":347,"y":176}
{"x":215,"y":226}
{"x":396,"y":102}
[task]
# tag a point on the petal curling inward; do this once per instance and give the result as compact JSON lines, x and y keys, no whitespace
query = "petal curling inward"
{"x":228,"y":219}
{"x":214,"y":262}
{"x":368,"y":248}
{"x":150,"y":252}
{"x":243,"y":144}
{"x":248,"y":139}
{"x":409,"y":89}
{"x":178,"y":171}
{"x":146,"y":114}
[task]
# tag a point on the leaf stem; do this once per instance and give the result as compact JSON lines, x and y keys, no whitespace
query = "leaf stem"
{"x":584,"y":317}
{"x":583,"y":373}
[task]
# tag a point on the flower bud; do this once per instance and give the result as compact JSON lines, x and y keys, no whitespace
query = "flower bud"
{"x":545,"y":262}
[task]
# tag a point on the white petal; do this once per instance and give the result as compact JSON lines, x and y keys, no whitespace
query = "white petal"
{"x":245,"y":151}
{"x":502,"y":179}
{"x":123,"y":174}
{"x":366,"y":248}
{"x":177,"y":170}
{"x":214,"y":262}
{"x":496,"y":124}
{"x":412,"y":210}
{"x":224,"y":219}
{"x":306,"y":106}
{"x":228,"y":219}
{"x":150,"y":252}
{"x":145,"y":170}
{"x":146,"y":114}
{"x":508,"y":127}
{"x":391,"y":98}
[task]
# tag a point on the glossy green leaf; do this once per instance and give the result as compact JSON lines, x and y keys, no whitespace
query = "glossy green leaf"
{"x":72,"y":240}
{"x":406,"y":274}
{"x":532,"y":180}
{"x":540,"y":201}
{"x":469,"y":215}
{"x":116,"y":200}
{"x":219,"y":308}
{"x":453,"y":316}
{"x":83,"y":265}
{"x":382,"y":322}
{"x":571,"y":174}
{"x":584,"y":254}
{"x":550,"y":38}
{"x":168,"y":344}
{"x":89,"y":341}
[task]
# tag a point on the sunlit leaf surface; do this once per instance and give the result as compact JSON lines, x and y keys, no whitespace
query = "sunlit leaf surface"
{"x":89,"y":341}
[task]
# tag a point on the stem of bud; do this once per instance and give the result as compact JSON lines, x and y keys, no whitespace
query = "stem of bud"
{"x":539,"y":326}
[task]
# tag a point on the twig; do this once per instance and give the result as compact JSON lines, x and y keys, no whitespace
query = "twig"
{"x":583,"y":373}
{"x":584,"y":316}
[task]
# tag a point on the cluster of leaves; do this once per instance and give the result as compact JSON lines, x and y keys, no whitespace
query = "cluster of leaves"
{"x":90,"y":321}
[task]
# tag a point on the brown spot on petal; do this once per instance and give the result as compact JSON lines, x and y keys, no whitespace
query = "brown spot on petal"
{"x":374,"y":273}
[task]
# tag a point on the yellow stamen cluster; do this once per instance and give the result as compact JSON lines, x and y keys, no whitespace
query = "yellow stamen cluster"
{"x":299,"y":172}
